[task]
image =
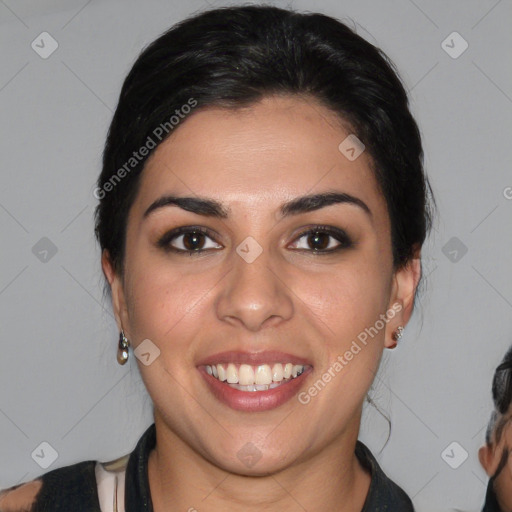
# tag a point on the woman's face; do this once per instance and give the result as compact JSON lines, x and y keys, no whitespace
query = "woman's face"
{"x":258,"y":294}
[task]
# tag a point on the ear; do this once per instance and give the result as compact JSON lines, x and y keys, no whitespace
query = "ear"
{"x":489,"y":456}
{"x":405,"y":283}
{"x":117,"y":290}
{"x":485,"y":458}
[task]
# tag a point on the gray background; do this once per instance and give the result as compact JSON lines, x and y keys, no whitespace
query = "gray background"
{"x":59,"y":379}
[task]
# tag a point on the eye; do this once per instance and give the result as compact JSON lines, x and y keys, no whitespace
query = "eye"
{"x":191,"y":240}
{"x":187,"y":240}
{"x":324,"y":239}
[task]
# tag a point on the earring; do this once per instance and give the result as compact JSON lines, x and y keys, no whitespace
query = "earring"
{"x":397,"y":335}
{"x":122,"y":349}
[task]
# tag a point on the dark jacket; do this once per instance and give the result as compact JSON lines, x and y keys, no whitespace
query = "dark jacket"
{"x":74,"y":488}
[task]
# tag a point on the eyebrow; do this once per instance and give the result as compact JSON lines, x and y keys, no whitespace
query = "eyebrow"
{"x":212,"y":208}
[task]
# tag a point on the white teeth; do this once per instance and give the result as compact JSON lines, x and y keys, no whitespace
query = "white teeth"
{"x":263,"y":375}
{"x":277,"y":372}
{"x":245,"y":375}
{"x":297,"y":370}
{"x":221,"y":372}
{"x":232,"y":374}
{"x":254,"y":387}
{"x":254,"y":378}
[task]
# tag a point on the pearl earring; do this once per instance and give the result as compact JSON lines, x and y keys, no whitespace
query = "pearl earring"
{"x":122,"y":349}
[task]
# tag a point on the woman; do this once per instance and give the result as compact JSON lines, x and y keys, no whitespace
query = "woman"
{"x":262,"y":211}
{"x":495,"y":454}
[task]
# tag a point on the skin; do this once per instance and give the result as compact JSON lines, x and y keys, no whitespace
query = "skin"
{"x":288,"y":299}
{"x":20,"y":497}
{"x":490,"y":456}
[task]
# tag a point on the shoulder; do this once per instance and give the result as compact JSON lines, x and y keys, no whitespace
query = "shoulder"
{"x":20,"y":497}
{"x":70,"y":487}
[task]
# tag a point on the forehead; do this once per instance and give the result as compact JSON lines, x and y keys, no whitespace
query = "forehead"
{"x":260,"y":155}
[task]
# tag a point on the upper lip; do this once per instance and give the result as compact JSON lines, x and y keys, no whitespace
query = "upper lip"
{"x":254,"y":358}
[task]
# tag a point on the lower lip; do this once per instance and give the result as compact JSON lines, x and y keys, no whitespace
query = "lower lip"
{"x":253,"y":401}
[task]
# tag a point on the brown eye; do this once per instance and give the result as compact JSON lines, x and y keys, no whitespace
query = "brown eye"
{"x":324,"y":239}
{"x":318,"y":240}
{"x":193,"y":241}
{"x":188,"y":240}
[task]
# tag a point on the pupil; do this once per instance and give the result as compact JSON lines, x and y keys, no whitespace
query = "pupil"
{"x":315,"y":237}
{"x":194,"y":237}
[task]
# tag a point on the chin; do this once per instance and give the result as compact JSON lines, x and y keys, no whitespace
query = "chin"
{"x":255,"y":464}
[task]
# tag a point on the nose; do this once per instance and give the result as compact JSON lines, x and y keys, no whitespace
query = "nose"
{"x":255,"y":294}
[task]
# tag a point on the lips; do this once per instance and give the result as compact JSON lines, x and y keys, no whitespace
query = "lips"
{"x":254,"y":358}
{"x":276,"y":388}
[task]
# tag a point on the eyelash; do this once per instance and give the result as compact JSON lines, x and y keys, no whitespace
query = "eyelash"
{"x":341,"y":236}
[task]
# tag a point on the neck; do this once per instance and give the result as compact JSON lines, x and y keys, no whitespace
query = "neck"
{"x":182,"y":479}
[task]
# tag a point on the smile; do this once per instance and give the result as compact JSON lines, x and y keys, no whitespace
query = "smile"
{"x":254,"y":381}
{"x":245,"y":377}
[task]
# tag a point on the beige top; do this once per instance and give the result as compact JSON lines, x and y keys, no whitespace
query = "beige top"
{"x":110,"y":478}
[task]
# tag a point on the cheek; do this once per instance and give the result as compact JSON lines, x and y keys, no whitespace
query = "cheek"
{"x":163,"y":300}
{"x":348,"y":298}
{"x":350,"y":351}
{"x":350,"y":308}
